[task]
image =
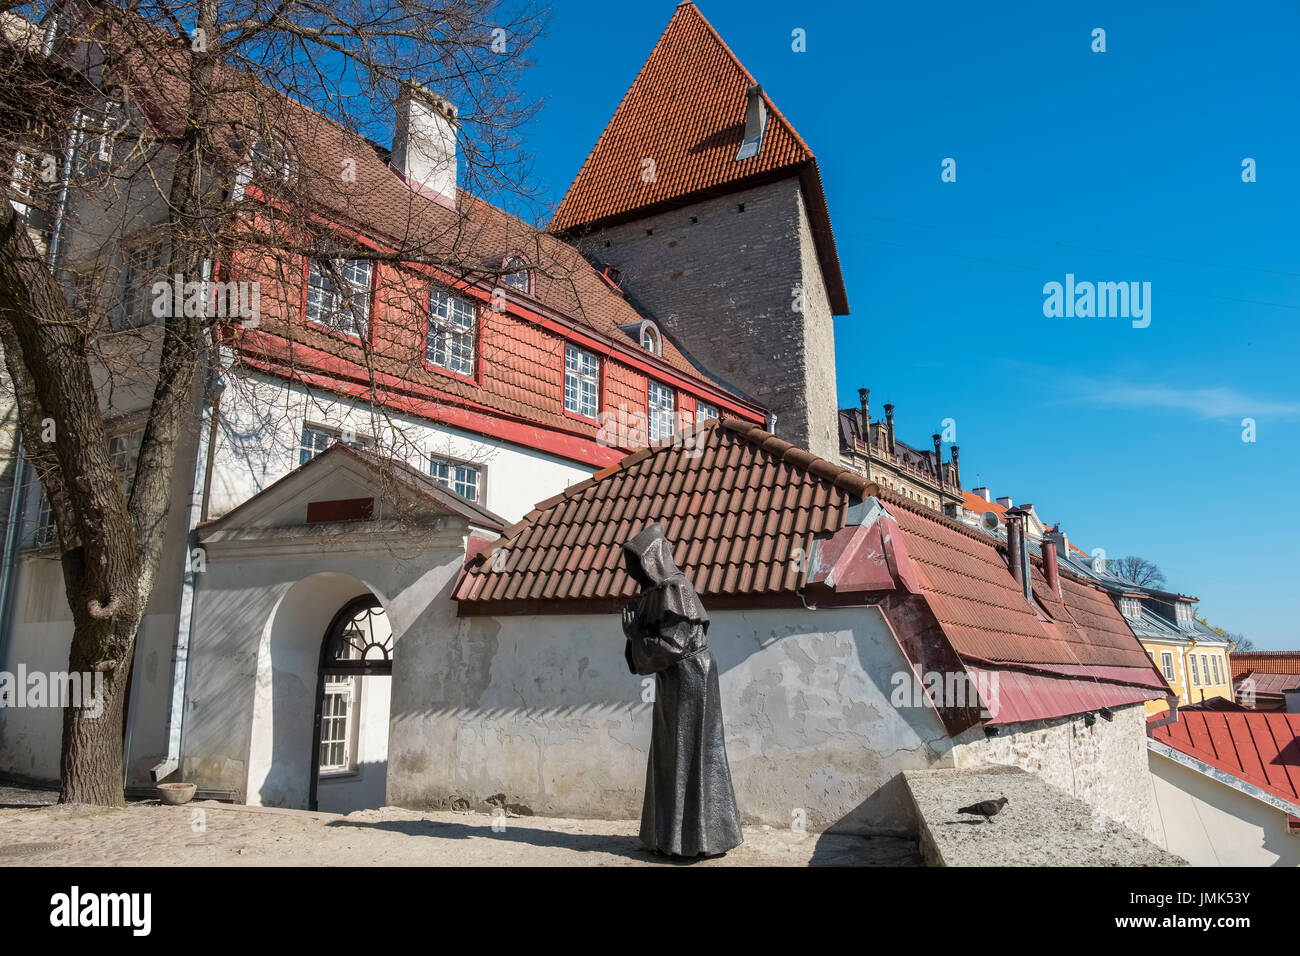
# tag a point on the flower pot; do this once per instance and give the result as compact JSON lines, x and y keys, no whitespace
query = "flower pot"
{"x":174,"y":794}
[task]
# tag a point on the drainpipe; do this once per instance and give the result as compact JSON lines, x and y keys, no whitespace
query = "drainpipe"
{"x":1170,"y":718}
{"x":11,"y":549}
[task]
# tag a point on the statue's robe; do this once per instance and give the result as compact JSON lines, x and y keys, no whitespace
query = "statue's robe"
{"x":690,"y":805}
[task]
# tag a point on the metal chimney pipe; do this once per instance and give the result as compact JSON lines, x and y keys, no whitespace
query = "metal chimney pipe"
{"x":1018,"y":552}
{"x":938,"y":464}
{"x":1051,"y":569}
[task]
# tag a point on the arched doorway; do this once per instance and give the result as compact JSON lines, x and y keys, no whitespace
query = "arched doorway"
{"x":349,"y":755}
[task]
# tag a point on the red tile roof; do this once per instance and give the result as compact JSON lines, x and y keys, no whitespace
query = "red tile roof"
{"x":747,"y":514}
{"x":686,"y":111}
{"x":736,"y":514}
{"x":977,"y":504}
{"x":1264,"y":662}
{"x":1261,"y":749}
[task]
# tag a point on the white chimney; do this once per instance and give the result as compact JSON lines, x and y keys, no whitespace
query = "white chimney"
{"x":1006,"y":502}
{"x":424,"y":143}
{"x":983,"y":493}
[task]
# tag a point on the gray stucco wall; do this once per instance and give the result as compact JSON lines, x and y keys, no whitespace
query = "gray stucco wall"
{"x":723,"y":283}
{"x":1104,"y":765}
{"x":543,"y":709}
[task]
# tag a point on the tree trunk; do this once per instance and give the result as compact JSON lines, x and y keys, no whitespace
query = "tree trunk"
{"x":90,"y":768}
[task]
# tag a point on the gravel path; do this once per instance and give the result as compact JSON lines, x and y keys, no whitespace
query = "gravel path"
{"x":207,"y":833}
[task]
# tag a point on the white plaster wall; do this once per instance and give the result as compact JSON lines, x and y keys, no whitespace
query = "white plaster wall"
{"x":544,"y":709}
{"x":262,"y":613}
{"x":1208,"y":823}
{"x":261,"y":430}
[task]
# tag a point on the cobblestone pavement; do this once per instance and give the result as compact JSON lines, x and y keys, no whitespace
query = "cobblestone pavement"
{"x":207,"y":833}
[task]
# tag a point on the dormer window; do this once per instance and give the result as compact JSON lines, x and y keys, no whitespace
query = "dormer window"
{"x":270,"y":159}
{"x":514,"y":274}
{"x":1131,"y":608}
{"x":755,"y":125}
{"x":651,"y":341}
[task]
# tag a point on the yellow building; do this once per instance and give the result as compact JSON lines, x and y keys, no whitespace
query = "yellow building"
{"x":1193,"y":659}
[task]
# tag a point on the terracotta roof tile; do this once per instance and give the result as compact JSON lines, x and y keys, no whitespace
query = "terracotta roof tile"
{"x":685,"y":111}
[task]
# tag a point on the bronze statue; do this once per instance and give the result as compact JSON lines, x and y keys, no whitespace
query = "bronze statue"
{"x":690,"y":806}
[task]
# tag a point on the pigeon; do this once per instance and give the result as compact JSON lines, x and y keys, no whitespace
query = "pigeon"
{"x":986,"y":808}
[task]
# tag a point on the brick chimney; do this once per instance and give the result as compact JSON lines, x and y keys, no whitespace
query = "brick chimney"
{"x":889,"y":428}
{"x":956,"y":471}
{"x":424,"y":143}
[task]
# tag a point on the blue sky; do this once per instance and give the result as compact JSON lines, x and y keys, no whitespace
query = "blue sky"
{"x":1115,"y":166}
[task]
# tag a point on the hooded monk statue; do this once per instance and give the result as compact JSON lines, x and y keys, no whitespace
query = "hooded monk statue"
{"x":690,"y":806}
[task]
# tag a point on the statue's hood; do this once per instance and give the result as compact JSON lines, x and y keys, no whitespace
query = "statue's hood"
{"x":649,"y":558}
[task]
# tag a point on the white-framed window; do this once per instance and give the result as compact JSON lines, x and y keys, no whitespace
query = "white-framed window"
{"x":1192,"y":671}
{"x":465,"y":480}
{"x":21,"y":174}
{"x":124,"y":449}
{"x":704,"y":411}
{"x":143,"y":263}
{"x":270,"y":158}
{"x":96,"y":147}
{"x":316,"y":438}
{"x":1131,"y":607}
{"x":451,"y":332}
{"x":1167,"y":665}
{"x":1205,"y":667}
{"x":514,"y":274}
{"x":662,"y":411}
{"x":581,"y":381}
{"x":336,"y":721}
{"x":651,"y":341}
{"x":338,"y":294}
{"x":44,"y":533}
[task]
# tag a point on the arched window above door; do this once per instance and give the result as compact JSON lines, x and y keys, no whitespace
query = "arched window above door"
{"x":360,"y":639}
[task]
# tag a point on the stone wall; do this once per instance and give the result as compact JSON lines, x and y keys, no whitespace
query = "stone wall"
{"x":727,"y":285}
{"x":1104,"y":765}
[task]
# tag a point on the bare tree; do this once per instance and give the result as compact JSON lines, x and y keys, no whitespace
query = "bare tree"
{"x":237,"y":122}
{"x":1138,"y":570}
